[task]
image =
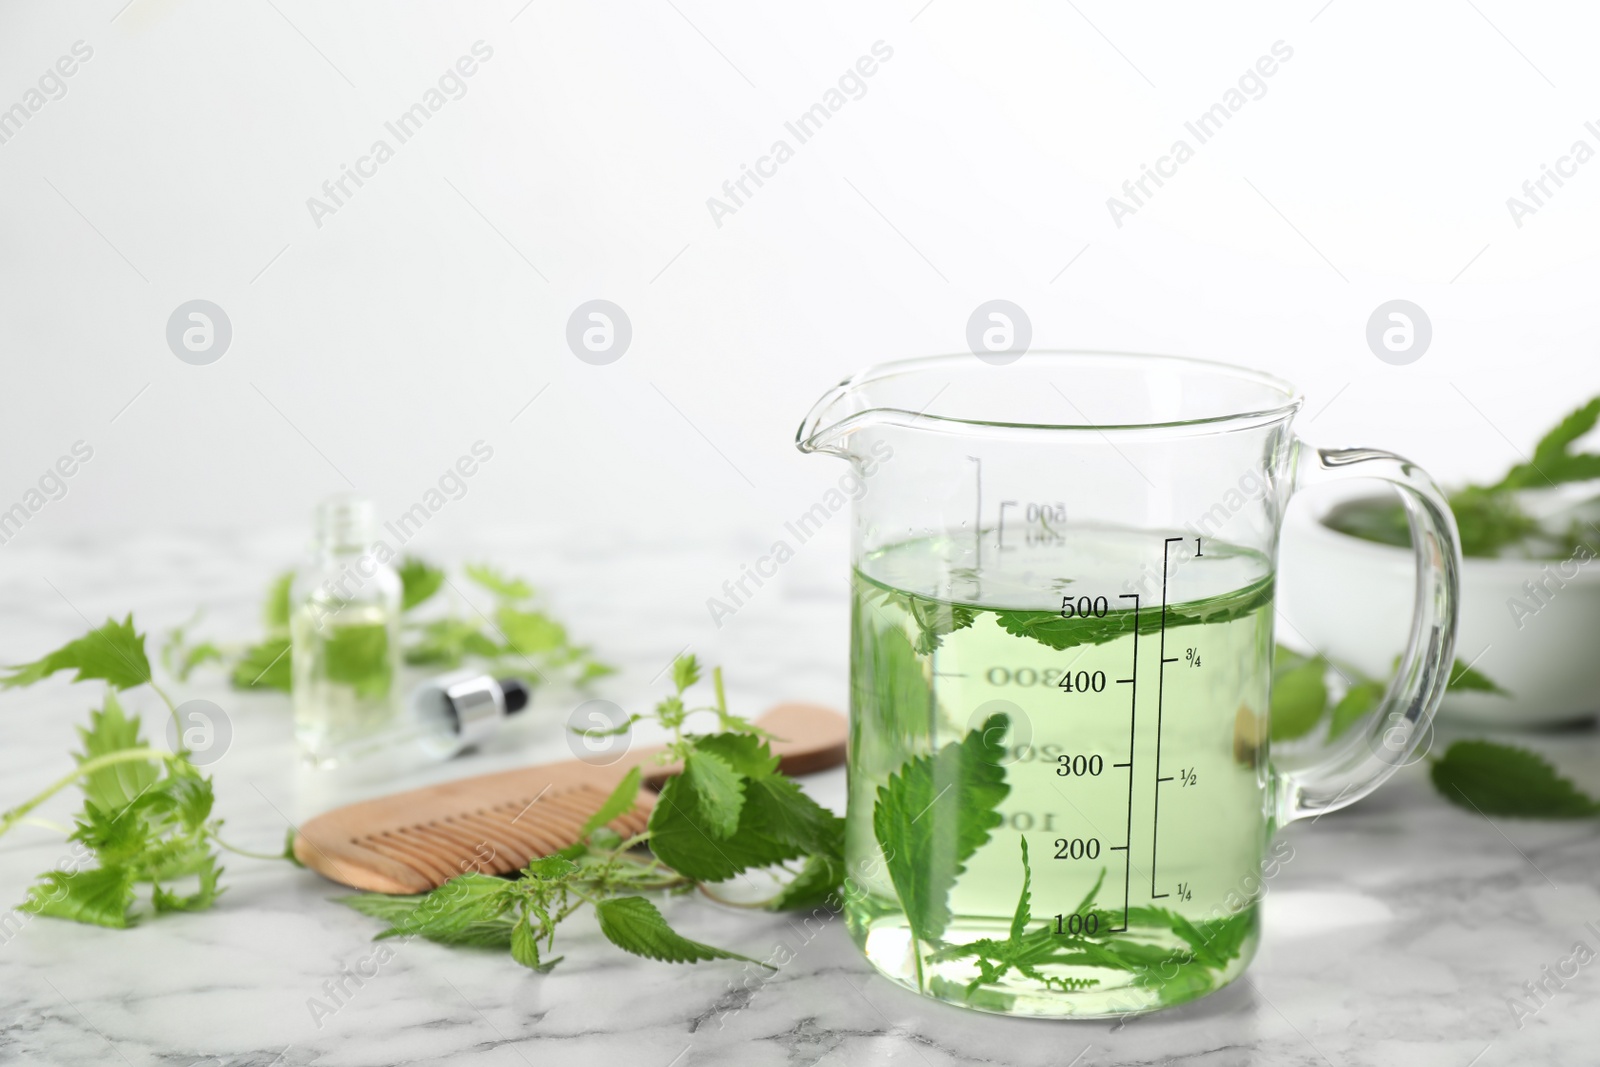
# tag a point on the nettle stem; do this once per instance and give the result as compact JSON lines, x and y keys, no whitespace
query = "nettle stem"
{"x":247,"y":852}
{"x":749,"y":905}
{"x":172,"y":710}
{"x":87,"y":767}
{"x":722,"y":698}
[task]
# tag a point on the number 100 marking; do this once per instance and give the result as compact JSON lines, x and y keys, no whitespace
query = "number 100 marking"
{"x":1078,"y":925}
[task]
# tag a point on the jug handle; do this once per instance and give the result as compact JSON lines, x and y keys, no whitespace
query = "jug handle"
{"x":1367,"y":757}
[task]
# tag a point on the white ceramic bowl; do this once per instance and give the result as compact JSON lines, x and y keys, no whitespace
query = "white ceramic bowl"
{"x":1351,"y":600}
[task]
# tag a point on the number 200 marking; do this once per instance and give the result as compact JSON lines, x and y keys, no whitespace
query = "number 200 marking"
{"x":1078,"y":848}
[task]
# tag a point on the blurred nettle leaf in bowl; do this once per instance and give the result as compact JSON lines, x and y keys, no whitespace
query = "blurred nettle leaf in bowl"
{"x":1530,"y":594}
{"x":1499,"y":521}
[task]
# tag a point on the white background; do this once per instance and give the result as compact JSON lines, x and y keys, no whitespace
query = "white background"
{"x":425,"y":314}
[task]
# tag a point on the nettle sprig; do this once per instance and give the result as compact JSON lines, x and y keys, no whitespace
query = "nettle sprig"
{"x":515,"y":634}
{"x":146,"y":816}
{"x":522,"y":914}
{"x":1483,"y":776}
{"x":729,"y":811}
{"x":146,"y":820}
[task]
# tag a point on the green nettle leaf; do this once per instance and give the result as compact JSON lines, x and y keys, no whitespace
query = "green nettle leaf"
{"x":113,"y":652}
{"x":592,"y":671}
{"x":634,"y":925}
{"x":528,"y":632}
{"x":619,"y":803}
{"x":102,"y":896}
{"x":745,"y":753}
{"x":1495,"y":779}
{"x":935,"y":619}
{"x":776,"y":821}
{"x":890,"y":684}
{"x":524,"y":944}
{"x":118,"y":838}
{"x":1382,"y":521}
{"x":275,"y":611}
{"x":192,"y":798}
{"x":817,"y":885}
{"x":1552,"y":461}
{"x":166,"y":901}
{"x":775,"y":808}
{"x":718,"y":790}
{"x":501,"y":585}
{"x":419,"y":580}
{"x":392,"y":909}
{"x":472,"y":909}
{"x":1357,"y":701}
{"x":682,"y":842}
{"x":358,"y":656}
{"x":447,"y":642}
{"x":111,"y":789}
{"x":552,"y":868}
{"x":1024,"y":912}
{"x":1299,"y":694}
{"x":182,"y":659}
{"x":1053,"y":631}
{"x":933,"y":814}
{"x":1488,"y":520}
{"x":1464,"y":678}
{"x":685,"y":672}
{"x":193,"y":657}
{"x":265,"y":665}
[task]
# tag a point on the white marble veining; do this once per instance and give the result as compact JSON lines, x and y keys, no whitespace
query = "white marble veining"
{"x":1395,"y":935}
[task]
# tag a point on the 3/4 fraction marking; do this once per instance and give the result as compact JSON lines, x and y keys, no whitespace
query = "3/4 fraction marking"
{"x":1161,"y":676}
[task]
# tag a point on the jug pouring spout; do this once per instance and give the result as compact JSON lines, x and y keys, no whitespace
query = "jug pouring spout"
{"x":888,"y":395}
{"x":829,"y":425}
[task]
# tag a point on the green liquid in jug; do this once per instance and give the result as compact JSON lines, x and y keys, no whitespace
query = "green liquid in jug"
{"x":1064,"y":797}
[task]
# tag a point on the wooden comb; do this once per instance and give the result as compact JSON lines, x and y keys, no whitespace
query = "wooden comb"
{"x":496,"y":823}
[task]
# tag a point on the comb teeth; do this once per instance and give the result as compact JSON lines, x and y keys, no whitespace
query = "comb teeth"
{"x":496,"y":839}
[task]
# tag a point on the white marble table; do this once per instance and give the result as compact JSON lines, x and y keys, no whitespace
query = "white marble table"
{"x":1395,"y":935}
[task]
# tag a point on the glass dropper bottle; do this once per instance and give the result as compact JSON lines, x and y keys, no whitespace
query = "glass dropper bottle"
{"x":344,"y":629}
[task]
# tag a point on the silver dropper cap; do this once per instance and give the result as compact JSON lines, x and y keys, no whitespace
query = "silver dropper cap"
{"x":463,"y":708}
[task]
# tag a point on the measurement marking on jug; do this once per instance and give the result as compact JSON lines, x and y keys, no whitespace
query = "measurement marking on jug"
{"x":1161,"y":677}
{"x":1132,"y":682}
{"x":977,"y":513}
{"x":1037,"y":517}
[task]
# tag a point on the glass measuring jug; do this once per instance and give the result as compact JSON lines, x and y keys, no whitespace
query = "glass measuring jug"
{"x":1061,"y":795}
